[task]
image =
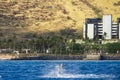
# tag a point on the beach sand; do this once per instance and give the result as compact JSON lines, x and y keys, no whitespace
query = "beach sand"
{"x":6,"y":56}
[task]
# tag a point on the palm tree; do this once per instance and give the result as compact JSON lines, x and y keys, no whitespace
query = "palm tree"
{"x":14,"y":38}
{"x":104,"y":35}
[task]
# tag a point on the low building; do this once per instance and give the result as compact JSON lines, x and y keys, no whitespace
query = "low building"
{"x":101,"y":28}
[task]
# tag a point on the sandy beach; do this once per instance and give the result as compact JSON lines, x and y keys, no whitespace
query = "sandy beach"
{"x":6,"y":57}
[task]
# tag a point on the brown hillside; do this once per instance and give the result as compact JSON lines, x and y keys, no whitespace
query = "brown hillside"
{"x":22,"y":16}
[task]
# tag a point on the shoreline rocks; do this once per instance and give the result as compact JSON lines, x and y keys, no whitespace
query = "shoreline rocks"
{"x":57,"y":57}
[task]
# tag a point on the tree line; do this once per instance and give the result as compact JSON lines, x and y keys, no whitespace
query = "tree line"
{"x":64,"y":42}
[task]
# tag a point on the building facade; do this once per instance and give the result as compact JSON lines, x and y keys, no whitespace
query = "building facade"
{"x":97,"y":28}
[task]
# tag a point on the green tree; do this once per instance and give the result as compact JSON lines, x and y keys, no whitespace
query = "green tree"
{"x":112,"y":47}
{"x":104,"y":35}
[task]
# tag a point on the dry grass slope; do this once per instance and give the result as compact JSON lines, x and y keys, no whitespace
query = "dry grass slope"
{"x":22,"y":16}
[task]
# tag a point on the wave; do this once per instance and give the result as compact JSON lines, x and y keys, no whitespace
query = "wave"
{"x":77,"y":76}
{"x":56,"y":73}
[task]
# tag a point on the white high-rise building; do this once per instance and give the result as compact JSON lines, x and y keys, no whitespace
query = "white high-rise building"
{"x":90,"y":31}
{"x":119,"y":30}
{"x":107,"y":26}
{"x":101,"y":28}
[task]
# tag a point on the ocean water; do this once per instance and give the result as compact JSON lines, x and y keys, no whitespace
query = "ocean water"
{"x":51,"y":70}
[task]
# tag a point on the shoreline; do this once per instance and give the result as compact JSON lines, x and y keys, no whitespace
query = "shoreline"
{"x":55,"y":57}
{"x":6,"y":56}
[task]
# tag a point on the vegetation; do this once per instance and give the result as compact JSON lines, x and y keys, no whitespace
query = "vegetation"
{"x":94,"y":8}
{"x":117,"y":4}
{"x":113,"y":47}
{"x":63,"y":42}
{"x":56,"y":43}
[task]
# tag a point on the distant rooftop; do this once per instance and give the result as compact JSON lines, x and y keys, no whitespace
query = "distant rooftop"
{"x":93,"y":20}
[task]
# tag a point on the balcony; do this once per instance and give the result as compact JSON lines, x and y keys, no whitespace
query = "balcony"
{"x":114,"y":33}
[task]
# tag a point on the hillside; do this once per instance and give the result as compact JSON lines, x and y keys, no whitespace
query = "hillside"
{"x":39,"y":16}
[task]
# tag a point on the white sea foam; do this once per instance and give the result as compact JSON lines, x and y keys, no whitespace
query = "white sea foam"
{"x":65,"y":75}
{"x":56,"y":73}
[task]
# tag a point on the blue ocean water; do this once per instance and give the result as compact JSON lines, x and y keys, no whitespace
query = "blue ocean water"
{"x":50,"y":70}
